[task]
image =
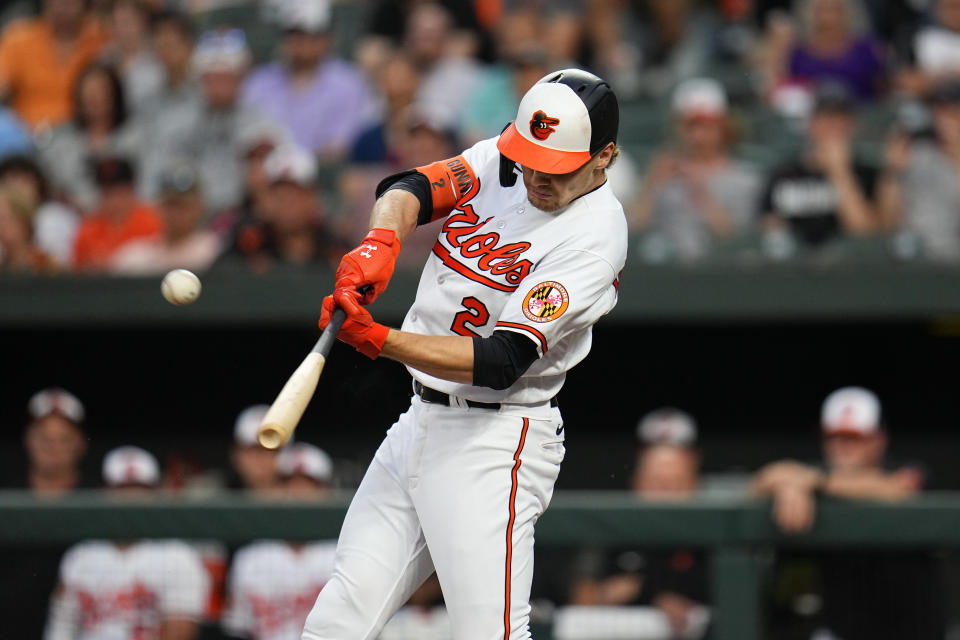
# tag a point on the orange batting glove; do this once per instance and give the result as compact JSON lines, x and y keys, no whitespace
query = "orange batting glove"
{"x":359,"y":330}
{"x":371,"y":264}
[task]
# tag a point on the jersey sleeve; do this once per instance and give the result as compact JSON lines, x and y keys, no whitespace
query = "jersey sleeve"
{"x":452,"y":181}
{"x":567,"y":292}
{"x":455,"y":181}
{"x":185,"y":586}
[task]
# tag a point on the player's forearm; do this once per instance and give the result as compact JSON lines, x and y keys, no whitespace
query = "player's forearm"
{"x":397,"y":210}
{"x":445,"y":357}
{"x":870,"y":486}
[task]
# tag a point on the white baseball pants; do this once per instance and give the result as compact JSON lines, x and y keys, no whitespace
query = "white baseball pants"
{"x":451,"y":489}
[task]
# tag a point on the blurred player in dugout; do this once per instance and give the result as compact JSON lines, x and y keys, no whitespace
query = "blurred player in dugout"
{"x":274,"y":583}
{"x":850,"y":594}
{"x":129,"y":588}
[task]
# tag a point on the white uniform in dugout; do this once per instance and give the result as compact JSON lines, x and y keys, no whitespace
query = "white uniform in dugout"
{"x":272,"y":587}
{"x":126,"y":592}
{"x":462,"y":477}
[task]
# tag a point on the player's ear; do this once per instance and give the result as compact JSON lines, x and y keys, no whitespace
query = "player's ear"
{"x":607,"y":155}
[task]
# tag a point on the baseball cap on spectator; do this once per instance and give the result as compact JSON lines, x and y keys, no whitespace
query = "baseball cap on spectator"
{"x":699,"y":98}
{"x":305,"y":459}
{"x":260,"y":139}
{"x":248,"y":423}
{"x":305,"y":16}
{"x":56,"y":400}
{"x":221,"y":51}
{"x":289,"y":163}
{"x":667,"y":426}
{"x":833,"y":97}
{"x":108,"y":171}
{"x":179,"y":179}
{"x":128,"y":465}
{"x":851,"y":411}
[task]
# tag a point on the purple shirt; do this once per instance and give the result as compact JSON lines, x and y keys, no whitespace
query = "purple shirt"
{"x":324,"y":115}
{"x":859,"y":68}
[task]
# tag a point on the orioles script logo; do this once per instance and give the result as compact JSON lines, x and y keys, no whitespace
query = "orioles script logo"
{"x":541,"y":125}
{"x":461,"y":231}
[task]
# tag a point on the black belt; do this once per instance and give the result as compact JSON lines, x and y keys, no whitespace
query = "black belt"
{"x":439,"y":397}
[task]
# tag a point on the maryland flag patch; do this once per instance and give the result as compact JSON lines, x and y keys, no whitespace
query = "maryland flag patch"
{"x":547,"y":301}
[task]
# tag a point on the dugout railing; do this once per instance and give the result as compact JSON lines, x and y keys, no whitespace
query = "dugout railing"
{"x":734,"y":532}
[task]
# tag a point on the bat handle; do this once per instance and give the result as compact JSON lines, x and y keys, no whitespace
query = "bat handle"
{"x":329,"y":335}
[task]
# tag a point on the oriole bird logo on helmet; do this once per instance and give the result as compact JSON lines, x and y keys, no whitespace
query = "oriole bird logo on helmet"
{"x":541,"y":125}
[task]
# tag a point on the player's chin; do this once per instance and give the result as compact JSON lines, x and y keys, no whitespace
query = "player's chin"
{"x":544,"y":204}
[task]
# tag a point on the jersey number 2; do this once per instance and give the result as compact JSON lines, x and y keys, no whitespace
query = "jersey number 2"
{"x":475,"y":313}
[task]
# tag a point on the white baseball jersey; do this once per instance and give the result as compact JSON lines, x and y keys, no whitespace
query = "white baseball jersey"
{"x":455,"y":488}
{"x":500,"y":263}
{"x":114,"y":592}
{"x":272,"y":587}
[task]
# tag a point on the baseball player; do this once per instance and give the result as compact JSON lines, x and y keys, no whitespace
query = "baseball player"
{"x":525,"y":263}
{"x":136,"y":590}
{"x":273,"y":583}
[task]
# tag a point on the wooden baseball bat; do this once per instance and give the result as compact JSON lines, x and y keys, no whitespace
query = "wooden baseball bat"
{"x":292,"y":401}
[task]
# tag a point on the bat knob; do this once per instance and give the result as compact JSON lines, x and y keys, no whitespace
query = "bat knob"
{"x":270,"y":437}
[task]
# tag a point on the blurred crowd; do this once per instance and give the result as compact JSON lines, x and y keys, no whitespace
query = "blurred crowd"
{"x":264,"y":590}
{"x":139,"y":135}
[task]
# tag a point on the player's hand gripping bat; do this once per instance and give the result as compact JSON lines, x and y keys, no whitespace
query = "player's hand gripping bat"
{"x":292,"y":401}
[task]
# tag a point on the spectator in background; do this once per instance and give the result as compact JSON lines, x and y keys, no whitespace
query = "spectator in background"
{"x":829,"y":44}
{"x":321,"y":99}
{"x":209,"y":131}
{"x":932,"y":55}
{"x":185,"y":243}
{"x":274,"y":583}
{"x":55,"y":443}
{"x":131,"y":52}
{"x":177,"y":97}
{"x":255,"y":467}
{"x":41,"y":58}
{"x":54,"y":223}
{"x":388,"y":23}
{"x":13,"y":134}
{"x":696,"y":195}
{"x":825,"y":192}
{"x":675,"y":581}
{"x":919,"y":192}
{"x":295,"y":233}
{"x":853,"y":583}
{"x":121,"y":218}
{"x":100,"y":127}
{"x":397,"y":83}
{"x":448,"y":74}
{"x":18,"y":249}
{"x":256,"y":145}
{"x":649,"y":53}
{"x":129,"y":589}
{"x":496,"y":97}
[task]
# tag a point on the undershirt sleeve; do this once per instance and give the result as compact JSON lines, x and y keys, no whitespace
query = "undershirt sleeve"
{"x":413,"y":182}
{"x":500,"y":360}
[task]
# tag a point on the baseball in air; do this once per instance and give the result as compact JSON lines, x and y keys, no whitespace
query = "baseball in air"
{"x":180,"y":287}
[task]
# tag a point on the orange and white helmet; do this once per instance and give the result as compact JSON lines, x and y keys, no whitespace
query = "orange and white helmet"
{"x":563,"y":120}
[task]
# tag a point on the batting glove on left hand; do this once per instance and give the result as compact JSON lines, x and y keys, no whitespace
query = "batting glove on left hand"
{"x":359,"y":329}
{"x":371,"y":264}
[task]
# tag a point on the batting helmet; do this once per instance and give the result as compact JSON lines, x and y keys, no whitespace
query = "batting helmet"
{"x":563,"y":120}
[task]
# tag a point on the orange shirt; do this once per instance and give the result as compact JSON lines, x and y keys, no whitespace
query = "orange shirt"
{"x":38,"y":75}
{"x":98,"y":238}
